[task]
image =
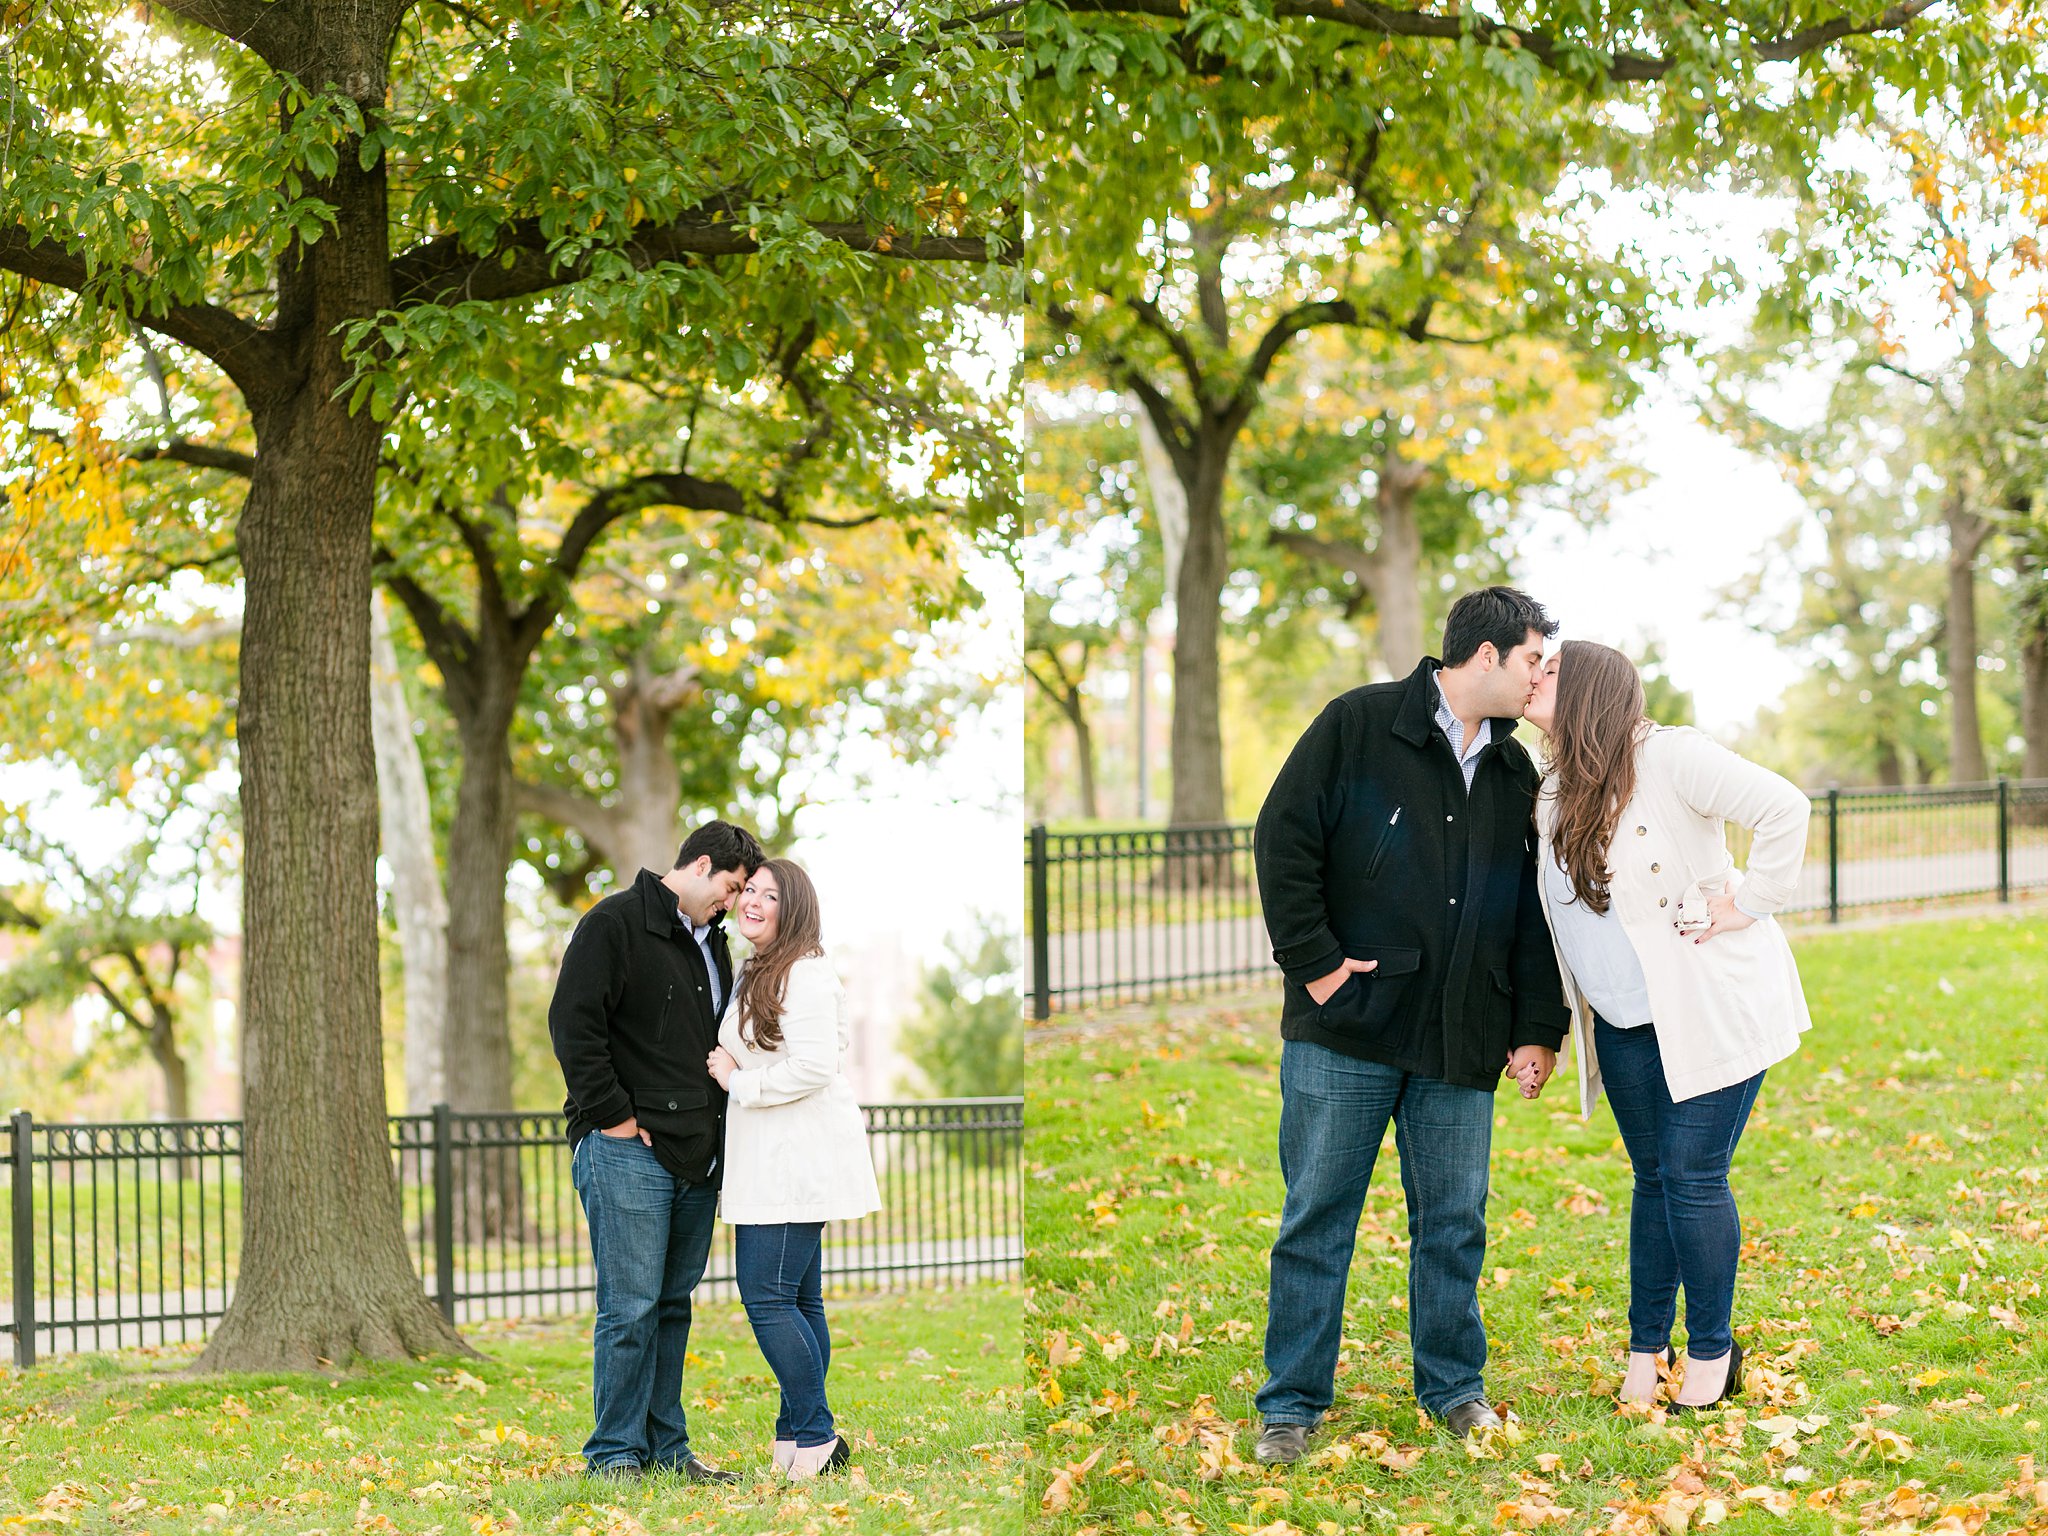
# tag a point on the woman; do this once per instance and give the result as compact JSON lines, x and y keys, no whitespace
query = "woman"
{"x":796,"y":1152}
{"x":1683,"y":990}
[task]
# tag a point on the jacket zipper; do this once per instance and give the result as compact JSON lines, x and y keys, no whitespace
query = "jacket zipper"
{"x":667,"y":1006}
{"x":1379,"y":852}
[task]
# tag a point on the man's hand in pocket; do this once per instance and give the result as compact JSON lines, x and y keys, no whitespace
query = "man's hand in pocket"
{"x":1320,"y":992}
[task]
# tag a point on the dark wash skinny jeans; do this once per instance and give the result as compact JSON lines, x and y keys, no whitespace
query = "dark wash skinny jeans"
{"x":1683,"y":1225}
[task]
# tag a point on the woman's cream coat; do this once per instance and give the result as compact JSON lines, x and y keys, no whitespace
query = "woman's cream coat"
{"x":796,"y":1145}
{"x":1728,"y":1008}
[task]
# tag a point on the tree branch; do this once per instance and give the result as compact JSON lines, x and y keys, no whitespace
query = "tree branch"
{"x":669,"y":691}
{"x":230,"y":461}
{"x":448,"y":643}
{"x":1154,"y":319}
{"x":248,"y":355}
{"x":258,"y":25}
{"x":1563,"y":58}
{"x":1362,"y":563}
{"x":565,"y":808}
{"x":445,"y":271}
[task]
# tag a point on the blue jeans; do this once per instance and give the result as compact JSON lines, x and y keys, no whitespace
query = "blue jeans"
{"x":650,"y":1237}
{"x":1333,"y":1113}
{"x":779,"y":1269}
{"x":1683,"y":1228}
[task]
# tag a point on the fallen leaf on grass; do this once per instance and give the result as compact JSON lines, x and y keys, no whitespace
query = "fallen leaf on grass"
{"x":1778,"y":1501}
{"x":1060,"y":1351}
{"x":1059,"y":1494}
{"x":1490,"y":1442}
{"x":1873,"y":1439}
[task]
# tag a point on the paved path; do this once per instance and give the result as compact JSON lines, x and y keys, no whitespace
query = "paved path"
{"x":111,"y":1322}
{"x":1121,"y":964}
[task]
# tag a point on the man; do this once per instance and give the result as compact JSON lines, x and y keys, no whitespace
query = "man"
{"x":1397,"y":869}
{"x":635,"y":1015}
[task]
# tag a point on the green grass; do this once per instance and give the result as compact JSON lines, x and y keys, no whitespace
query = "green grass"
{"x":925,"y":1382}
{"x":1894,"y":1191}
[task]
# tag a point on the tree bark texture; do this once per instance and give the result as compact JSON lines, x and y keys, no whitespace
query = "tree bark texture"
{"x":479,"y":1039}
{"x":1396,"y":580}
{"x":324,"y":1272}
{"x":170,"y":1064}
{"x":2033,"y":694}
{"x":1966,"y":534}
{"x":1197,"y":734}
{"x":405,"y":818}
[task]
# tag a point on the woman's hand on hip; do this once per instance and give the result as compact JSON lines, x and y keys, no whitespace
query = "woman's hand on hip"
{"x":1723,"y":916}
{"x":721,"y":1066}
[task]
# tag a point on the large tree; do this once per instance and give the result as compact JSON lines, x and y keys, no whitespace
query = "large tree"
{"x":339,"y":206}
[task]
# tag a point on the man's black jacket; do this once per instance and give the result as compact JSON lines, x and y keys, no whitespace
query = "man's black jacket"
{"x":632,"y":1024}
{"x":1368,"y":847}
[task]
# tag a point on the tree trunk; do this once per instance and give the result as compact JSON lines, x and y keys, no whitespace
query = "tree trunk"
{"x":324,"y":1272}
{"x":1197,"y":738}
{"x":1891,"y":771}
{"x":1168,"y":496}
{"x":2034,"y":700}
{"x":177,"y":1078}
{"x":478,"y":1039}
{"x":1084,"y":753}
{"x":647,"y":823}
{"x":405,"y":817}
{"x":1394,"y":575}
{"x":1966,"y":532}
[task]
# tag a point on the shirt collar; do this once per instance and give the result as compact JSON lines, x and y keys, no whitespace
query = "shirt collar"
{"x":1446,"y":716}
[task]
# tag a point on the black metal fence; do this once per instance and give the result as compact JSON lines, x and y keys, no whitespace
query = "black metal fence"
{"x":128,"y":1234}
{"x":1121,"y":916}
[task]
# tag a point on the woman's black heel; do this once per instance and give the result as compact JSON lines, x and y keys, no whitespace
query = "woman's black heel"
{"x":1729,"y":1387}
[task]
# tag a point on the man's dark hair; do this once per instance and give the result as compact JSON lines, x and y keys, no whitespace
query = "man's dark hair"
{"x":728,"y":846}
{"x":1497,"y":614}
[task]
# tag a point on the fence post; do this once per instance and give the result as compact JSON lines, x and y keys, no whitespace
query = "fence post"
{"x":444,"y":1209}
{"x":1834,"y":854}
{"x":2004,"y":840}
{"x":1041,"y":940}
{"x":24,"y":1203}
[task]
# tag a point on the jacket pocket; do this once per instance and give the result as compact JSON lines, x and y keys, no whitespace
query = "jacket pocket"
{"x":1379,"y":849}
{"x":1366,"y":1004}
{"x":680,"y":1118}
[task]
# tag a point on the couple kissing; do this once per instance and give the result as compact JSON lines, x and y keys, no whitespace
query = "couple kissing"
{"x":1445,"y":913}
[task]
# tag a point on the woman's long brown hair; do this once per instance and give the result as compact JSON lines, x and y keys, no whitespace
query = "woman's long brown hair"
{"x":799,"y":934}
{"x":1592,"y":750}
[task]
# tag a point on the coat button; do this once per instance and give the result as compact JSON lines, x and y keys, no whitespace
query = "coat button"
{"x":1655,"y":867}
{"x":671,"y":1103}
{"x":1642,"y":831}
{"x":1454,"y":901}
{"x":1450,"y":818}
{"x":1662,"y":901}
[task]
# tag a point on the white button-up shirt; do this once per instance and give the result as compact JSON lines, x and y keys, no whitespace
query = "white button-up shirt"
{"x":702,"y":934}
{"x":1468,"y":756}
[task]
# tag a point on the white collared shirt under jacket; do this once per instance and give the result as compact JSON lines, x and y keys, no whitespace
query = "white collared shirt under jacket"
{"x":796,"y":1146}
{"x":1726,"y":1009}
